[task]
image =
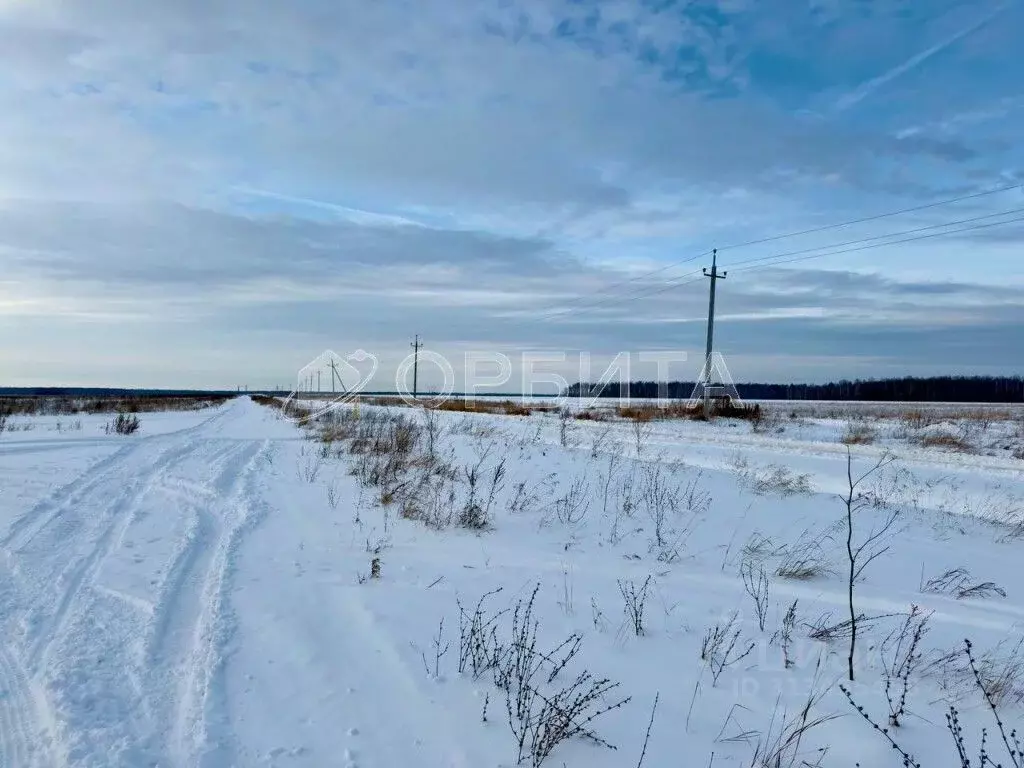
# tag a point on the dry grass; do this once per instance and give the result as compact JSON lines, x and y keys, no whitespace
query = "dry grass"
{"x":499,"y":407}
{"x":20,"y":405}
{"x":947,"y":441}
{"x":496,"y":407}
{"x":858,"y":433}
{"x":687,"y":410}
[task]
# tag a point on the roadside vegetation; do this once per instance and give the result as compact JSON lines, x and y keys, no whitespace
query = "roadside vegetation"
{"x":456,"y":468}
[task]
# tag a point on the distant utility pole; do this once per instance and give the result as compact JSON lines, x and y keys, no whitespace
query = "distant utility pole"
{"x":334,"y":373}
{"x":317,"y":379}
{"x":715,"y":277}
{"x":415,"y":365}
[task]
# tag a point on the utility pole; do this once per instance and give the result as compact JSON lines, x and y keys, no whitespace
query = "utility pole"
{"x":415,"y":365}
{"x":334,"y":373}
{"x":715,"y":277}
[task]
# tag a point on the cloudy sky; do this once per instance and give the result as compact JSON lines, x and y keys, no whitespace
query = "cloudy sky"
{"x":211,"y":192}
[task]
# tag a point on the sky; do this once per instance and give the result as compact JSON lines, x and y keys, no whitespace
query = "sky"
{"x":211,"y":194}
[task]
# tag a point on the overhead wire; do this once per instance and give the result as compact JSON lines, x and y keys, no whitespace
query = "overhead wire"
{"x":753,"y":268}
{"x":750,"y":267}
{"x":875,"y":217}
{"x":564,"y":308}
{"x":859,"y":240}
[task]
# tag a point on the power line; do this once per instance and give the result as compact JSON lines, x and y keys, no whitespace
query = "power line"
{"x":680,"y":282}
{"x":565,"y":308}
{"x":875,"y":217}
{"x":882,"y":245}
{"x":617,"y":299}
{"x":643,"y":276}
{"x":878,"y":237}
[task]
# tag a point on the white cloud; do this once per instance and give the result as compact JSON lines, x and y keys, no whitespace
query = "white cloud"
{"x":225,"y":163}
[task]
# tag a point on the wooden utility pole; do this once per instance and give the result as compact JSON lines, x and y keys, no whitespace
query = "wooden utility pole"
{"x":715,"y":277}
{"x":415,"y":365}
{"x":335,"y":374}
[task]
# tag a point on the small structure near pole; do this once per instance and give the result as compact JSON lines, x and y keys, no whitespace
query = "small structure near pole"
{"x":722,"y":397}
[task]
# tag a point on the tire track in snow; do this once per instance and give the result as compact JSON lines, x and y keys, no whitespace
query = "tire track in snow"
{"x":61,"y":546}
{"x":184,"y":651}
{"x":116,"y":519}
{"x":26,"y":723}
{"x":29,"y":525}
{"x":26,"y":527}
{"x":17,"y":730}
{"x":191,"y":563}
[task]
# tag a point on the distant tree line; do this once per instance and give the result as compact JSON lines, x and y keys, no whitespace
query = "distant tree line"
{"x":946,"y":389}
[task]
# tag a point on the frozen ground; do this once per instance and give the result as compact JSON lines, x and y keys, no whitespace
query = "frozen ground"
{"x":202,"y":593}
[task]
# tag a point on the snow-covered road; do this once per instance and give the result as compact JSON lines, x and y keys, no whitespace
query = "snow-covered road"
{"x":113,"y":590}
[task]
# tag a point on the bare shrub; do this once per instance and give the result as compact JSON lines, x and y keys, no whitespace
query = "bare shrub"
{"x":309,"y":469}
{"x":123,"y":424}
{"x":696,"y":499}
{"x":606,"y":480}
{"x":332,"y":495}
{"x":479,"y":649}
{"x":916,"y":419}
{"x":541,"y":714}
{"x":597,"y":616}
{"x":600,"y":439}
{"x":634,"y":602}
{"x":437,"y":497}
{"x":858,"y":433}
{"x":530,"y":495}
{"x":432,"y":431}
{"x":625,"y":495}
{"x":721,"y":649}
{"x":565,"y":714}
{"x":759,"y":548}
{"x":1008,"y":737}
{"x":957,"y":582}
{"x":806,"y":559}
{"x":483,"y":487}
{"x":767,"y":421}
{"x":565,"y":427}
{"x":441,"y":648}
{"x":641,"y":430}
{"x":999,"y":673}
{"x":571,"y":508}
{"x":901,"y":659}
{"x":771,"y":479}
{"x":781,"y":746}
{"x":755,"y":582}
{"x":827,"y":629}
{"x":784,"y":635}
{"x":661,"y":500}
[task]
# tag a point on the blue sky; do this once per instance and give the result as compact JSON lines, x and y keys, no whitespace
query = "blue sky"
{"x":211,"y":193}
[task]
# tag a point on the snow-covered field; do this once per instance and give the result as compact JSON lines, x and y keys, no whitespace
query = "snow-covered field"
{"x":223,"y":588}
